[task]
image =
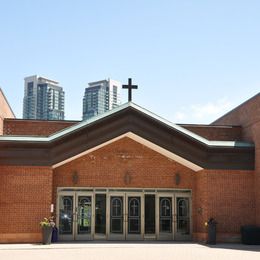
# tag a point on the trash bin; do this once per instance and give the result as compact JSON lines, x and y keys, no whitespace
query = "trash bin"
{"x":54,"y":237}
{"x":212,"y":231}
{"x":250,"y":235}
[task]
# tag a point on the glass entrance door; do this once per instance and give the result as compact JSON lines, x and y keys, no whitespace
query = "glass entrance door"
{"x":75,"y":216}
{"x":66,"y":216}
{"x":134,"y":217}
{"x":124,"y":215}
{"x":183,"y":223}
{"x":117,"y":217}
{"x":166,"y":224}
{"x":84,"y":216}
{"x":126,"y":218}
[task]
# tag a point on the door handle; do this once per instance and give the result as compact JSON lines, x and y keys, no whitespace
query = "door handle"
{"x":75,"y":215}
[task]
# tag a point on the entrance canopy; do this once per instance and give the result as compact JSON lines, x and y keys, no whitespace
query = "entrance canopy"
{"x":136,"y":123}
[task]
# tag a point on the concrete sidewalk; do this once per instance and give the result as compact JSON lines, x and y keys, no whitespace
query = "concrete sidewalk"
{"x":129,"y":251}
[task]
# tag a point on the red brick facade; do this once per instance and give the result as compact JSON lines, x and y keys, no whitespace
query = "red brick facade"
{"x":29,"y":191}
{"x":232,"y":197}
{"x":34,"y":127}
{"x":248,"y":116}
{"x":225,"y":195}
{"x":25,"y":198}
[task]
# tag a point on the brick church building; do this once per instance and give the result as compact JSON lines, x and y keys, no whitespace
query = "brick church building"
{"x":129,"y":174}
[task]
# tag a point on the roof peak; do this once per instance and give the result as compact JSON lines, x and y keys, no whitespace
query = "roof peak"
{"x":122,"y":107}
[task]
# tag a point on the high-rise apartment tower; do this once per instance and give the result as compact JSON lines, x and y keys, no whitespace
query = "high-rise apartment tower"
{"x":100,"y":96}
{"x":43,"y":99}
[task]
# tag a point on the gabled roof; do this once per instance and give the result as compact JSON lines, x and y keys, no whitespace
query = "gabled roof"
{"x":91,"y":121}
{"x":132,"y":121}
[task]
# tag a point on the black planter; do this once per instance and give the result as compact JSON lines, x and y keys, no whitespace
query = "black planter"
{"x":212,"y":234}
{"x":46,"y":235}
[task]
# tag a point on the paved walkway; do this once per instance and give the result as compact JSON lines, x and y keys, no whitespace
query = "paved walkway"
{"x":129,"y":251}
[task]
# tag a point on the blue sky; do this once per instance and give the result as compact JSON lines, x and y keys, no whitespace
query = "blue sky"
{"x":193,"y":60}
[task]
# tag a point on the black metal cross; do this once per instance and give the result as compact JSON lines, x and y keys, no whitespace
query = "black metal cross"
{"x":130,"y":87}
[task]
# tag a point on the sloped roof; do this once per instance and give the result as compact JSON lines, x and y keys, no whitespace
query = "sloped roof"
{"x":137,"y":122}
{"x":91,"y":121}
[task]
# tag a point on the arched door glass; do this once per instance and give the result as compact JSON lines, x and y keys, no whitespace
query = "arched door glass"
{"x":134,"y":215}
{"x":183,"y":218}
{"x":84,"y":214}
{"x":165,"y":214}
{"x":66,"y":215}
{"x":116,"y":214}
